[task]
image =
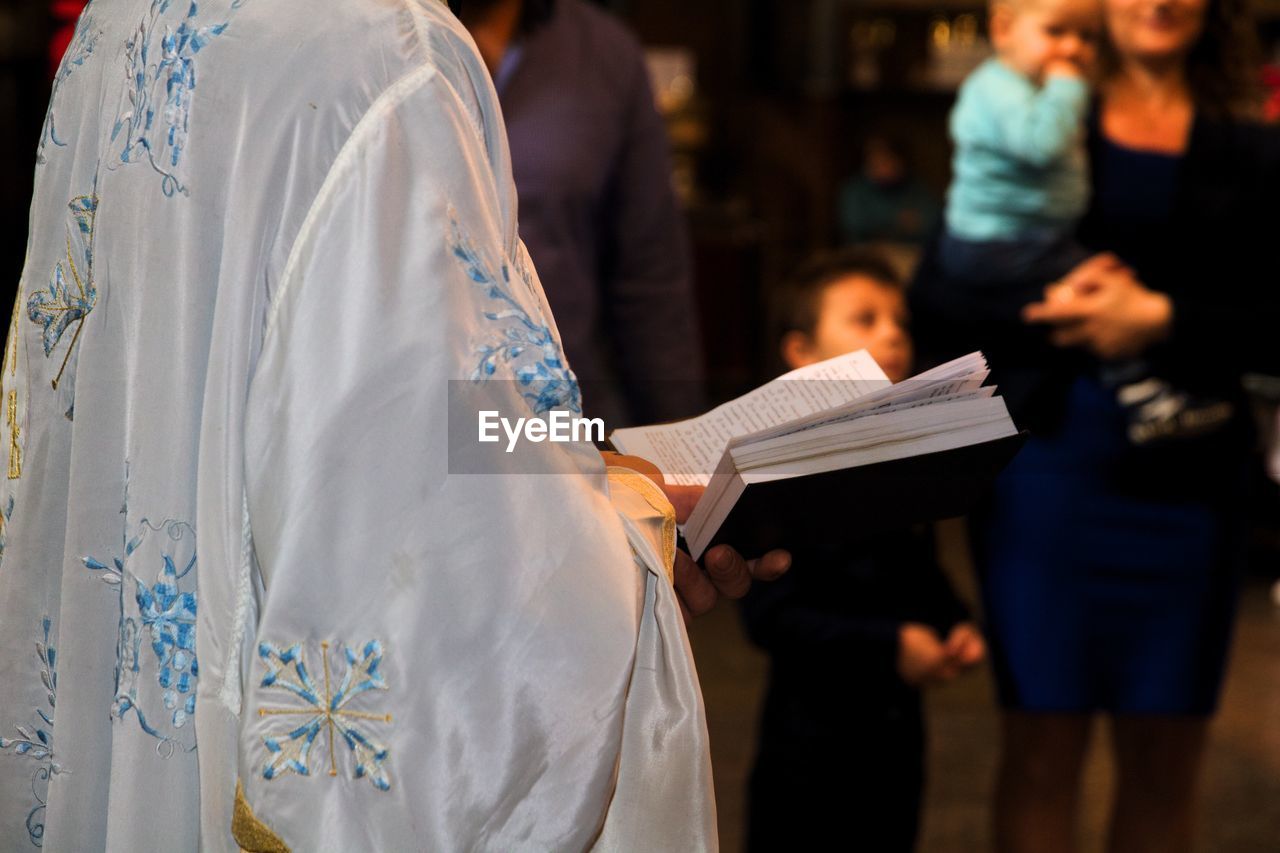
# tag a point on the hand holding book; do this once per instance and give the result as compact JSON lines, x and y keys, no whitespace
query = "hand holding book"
{"x":726,"y":572}
{"x":800,"y":449}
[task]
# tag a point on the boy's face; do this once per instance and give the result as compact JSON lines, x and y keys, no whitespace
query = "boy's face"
{"x":1034,"y":34}
{"x":856,"y":312}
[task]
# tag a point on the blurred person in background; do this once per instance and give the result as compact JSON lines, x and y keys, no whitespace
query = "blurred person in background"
{"x":1110,"y":569}
{"x":858,"y":628}
{"x":1021,"y":185}
{"x":598,"y":210}
{"x":885,"y":201}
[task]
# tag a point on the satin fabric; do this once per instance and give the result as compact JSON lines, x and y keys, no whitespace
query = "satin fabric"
{"x":664,"y":773}
{"x":264,"y":237}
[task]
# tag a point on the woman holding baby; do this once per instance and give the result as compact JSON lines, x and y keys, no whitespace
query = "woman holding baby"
{"x":1108,"y":553}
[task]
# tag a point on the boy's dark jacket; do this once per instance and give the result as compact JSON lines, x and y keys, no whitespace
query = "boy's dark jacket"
{"x":830,"y":625}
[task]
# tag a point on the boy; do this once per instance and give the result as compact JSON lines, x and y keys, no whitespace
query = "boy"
{"x":858,"y":627}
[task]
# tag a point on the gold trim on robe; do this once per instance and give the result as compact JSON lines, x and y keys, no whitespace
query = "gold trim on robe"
{"x":251,"y":834}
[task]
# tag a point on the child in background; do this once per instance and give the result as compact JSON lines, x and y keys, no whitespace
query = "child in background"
{"x":856,"y":628}
{"x":885,"y":201}
{"x":1021,"y":185}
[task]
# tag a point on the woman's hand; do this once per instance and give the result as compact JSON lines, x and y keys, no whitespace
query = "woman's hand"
{"x":1102,"y":307}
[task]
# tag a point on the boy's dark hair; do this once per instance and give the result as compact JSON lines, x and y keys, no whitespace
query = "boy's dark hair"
{"x":796,"y":302}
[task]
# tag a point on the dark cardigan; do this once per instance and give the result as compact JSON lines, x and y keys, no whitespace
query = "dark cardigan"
{"x":1218,"y":258}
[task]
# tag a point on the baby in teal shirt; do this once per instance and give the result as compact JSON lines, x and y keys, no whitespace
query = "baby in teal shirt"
{"x":1021,"y":180}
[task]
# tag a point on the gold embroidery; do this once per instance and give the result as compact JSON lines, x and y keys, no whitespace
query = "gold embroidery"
{"x":11,"y":368}
{"x":15,"y":449}
{"x":11,"y":347}
{"x":654,"y":496}
{"x":251,"y":834}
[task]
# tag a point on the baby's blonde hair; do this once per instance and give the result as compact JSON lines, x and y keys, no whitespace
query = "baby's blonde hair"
{"x":1018,"y":6}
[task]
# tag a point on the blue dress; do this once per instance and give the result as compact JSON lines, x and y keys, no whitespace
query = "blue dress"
{"x":1099,"y":597}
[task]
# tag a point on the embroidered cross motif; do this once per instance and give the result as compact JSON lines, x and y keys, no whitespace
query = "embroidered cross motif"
{"x":325,"y":709}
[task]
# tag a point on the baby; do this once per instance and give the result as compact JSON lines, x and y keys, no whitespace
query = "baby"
{"x":1021,"y":179}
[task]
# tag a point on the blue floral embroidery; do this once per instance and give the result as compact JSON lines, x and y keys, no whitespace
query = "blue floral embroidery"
{"x":165,"y":618}
{"x":36,"y":742}
{"x":5,"y":518}
{"x":156,"y":118}
{"x":527,"y":347}
{"x":72,"y":293}
{"x":81,"y":47}
{"x":170,"y":617}
{"x":324,"y":709}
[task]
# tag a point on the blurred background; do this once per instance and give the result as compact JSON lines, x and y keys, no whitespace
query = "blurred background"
{"x":782,"y":114}
{"x":795,"y":126}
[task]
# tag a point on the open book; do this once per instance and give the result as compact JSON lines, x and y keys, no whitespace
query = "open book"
{"x":835,"y":443}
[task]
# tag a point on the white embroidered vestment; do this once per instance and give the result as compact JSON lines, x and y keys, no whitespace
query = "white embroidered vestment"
{"x":240,"y":585}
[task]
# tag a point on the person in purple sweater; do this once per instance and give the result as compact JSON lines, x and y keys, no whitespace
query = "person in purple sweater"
{"x":597,"y":208}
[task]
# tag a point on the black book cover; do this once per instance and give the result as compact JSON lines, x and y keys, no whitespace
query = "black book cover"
{"x":854,"y":502}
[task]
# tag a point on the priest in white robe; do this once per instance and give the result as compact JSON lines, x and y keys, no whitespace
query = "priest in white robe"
{"x":245,"y":603}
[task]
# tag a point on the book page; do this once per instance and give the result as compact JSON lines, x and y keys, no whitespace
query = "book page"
{"x":687,"y":451}
{"x":939,"y":413}
{"x":878,"y":427}
{"x":900,"y":443}
{"x":964,"y":375}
